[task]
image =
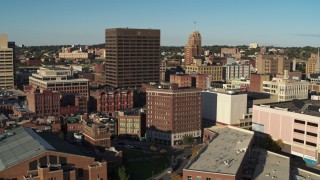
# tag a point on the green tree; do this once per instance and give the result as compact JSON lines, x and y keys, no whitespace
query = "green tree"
{"x":187,"y":140}
{"x":122,"y":173}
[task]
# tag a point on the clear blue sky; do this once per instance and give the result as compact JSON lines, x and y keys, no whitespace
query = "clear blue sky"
{"x":220,"y":22}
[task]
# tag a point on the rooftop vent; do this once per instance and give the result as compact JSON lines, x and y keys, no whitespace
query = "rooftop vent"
{"x":226,"y":162}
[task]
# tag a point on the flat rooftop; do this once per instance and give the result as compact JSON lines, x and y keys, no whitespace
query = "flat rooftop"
{"x":309,"y":107}
{"x":301,"y":174}
{"x":225,"y":153}
{"x":272,"y":166}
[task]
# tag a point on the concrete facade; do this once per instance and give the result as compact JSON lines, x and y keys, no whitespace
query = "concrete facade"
{"x":286,"y":89}
{"x":59,"y":79}
{"x":6,"y":63}
{"x":312,"y":65}
{"x":272,"y":64}
{"x":224,"y":107}
{"x":236,"y":72}
{"x":296,"y":123}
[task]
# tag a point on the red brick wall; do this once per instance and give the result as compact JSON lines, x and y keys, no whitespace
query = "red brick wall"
{"x":18,"y":171}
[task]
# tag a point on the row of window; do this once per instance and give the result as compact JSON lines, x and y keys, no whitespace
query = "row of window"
{"x":308,"y":123}
{"x":302,"y":132}
{"x":307,"y":143}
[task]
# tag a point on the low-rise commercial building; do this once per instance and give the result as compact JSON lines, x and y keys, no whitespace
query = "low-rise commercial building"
{"x":214,"y":72}
{"x":295,"y":122}
{"x":286,"y":89}
{"x":224,"y":155}
{"x":75,"y":55}
{"x":200,"y":81}
{"x":59,"y":79}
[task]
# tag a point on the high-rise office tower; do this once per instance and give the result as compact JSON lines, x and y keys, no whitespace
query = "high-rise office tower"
{"x":132,"y":57}
{"x":193,"y":48}
{"x":6,"y":63}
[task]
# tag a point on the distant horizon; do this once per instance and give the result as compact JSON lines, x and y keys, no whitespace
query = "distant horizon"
{"x":173,"y":46}
{"x":275,"y":23}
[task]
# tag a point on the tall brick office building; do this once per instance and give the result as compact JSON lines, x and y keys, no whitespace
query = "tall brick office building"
{"x":172,"y":113}
{"x":132,"y":57}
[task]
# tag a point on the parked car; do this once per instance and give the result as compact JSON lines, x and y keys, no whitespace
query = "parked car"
{"x":128,"y":146}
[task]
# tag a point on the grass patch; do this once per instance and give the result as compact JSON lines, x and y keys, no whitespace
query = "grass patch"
{"x":133,"y":154}
{"x":143,"y":169}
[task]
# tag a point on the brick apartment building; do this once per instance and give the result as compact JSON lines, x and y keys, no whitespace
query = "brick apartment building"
{"x":256,"y":81}
{"x":200,"y":81}
{"x":132,"y":122}
{"x":27,"y":155}
{"x":108,"y":101}
{"x":132,"y":57}
{"x":172,"y":113}
{"x":44,"y":102}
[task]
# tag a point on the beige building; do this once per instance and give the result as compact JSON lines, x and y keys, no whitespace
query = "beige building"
{"x":286,"y":89}
{"x":59,"y":79}
{"x":313,"y":65}
{"x":193,"y":48}
{"x":6,"y":63}
{"x":74,"y":55}
{"x":214,"y":72}
{"x":272,"y":64}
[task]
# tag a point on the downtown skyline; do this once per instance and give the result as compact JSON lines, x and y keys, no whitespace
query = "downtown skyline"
{"x":230,"y":22}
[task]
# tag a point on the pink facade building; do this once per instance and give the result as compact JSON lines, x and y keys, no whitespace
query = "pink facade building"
{"x":295,"y":122}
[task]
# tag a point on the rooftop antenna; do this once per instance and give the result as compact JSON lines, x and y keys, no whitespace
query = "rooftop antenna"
{"x":195,"y":29}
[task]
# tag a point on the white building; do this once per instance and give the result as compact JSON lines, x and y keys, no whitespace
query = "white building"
{"x":236,"y":71}
{"x":286,"y":89}
{"x":224,"y":106}
{"x":237,"y":84}
{"x":253,"y":45}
